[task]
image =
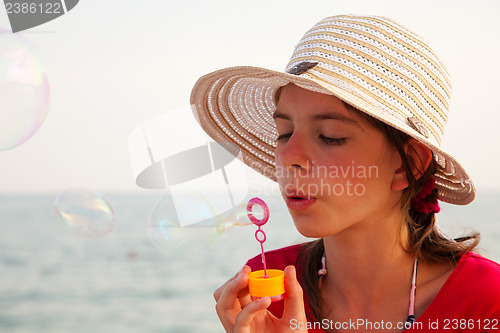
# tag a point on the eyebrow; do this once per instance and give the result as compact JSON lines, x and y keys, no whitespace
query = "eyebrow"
{"x":330,"y":115}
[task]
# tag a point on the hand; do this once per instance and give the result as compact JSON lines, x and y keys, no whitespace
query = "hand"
{"x":239,"y":314}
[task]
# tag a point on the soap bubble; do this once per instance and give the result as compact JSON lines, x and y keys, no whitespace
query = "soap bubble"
{"x":190,"y":223}
{"x":24,"y":90}
{"x":183,"y":223}
{"x":85,"y":213}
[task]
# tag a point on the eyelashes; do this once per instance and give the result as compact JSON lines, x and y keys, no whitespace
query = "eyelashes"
{"x":283,"y":137}
{"x":332,"y":141}
{"x":324,"y":139}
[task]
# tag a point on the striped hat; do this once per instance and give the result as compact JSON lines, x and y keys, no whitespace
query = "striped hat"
{"x":371,"y":63}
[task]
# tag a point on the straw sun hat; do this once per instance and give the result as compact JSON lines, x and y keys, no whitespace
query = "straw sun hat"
{"x":371,"y":63}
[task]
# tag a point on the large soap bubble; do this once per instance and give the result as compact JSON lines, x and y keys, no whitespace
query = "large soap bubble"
{"x":183,"y":223}
{"x":85,"y":213}
{"x":24,"y":90}
{"x":189,"y":222}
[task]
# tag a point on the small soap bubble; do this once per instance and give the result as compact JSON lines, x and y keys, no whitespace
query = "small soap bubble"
{"x":85,"y":213}
{"x":183,"y":223}
{"x":235,"y":217}
{"x":24,"y":90}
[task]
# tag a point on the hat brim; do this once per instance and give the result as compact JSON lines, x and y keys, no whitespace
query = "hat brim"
{"x":236,"y":105}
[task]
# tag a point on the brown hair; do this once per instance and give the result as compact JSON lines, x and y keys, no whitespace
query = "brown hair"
{"x":425,"y":240}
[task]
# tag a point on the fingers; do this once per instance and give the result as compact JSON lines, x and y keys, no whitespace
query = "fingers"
{"x":294,"y":301}
{"x":246,"y":316}
{"x":231,"y":292}
{"x":232,"y":298}
{"x":246,"y":269}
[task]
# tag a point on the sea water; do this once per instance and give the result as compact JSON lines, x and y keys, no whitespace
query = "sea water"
{"x":53,"y":281}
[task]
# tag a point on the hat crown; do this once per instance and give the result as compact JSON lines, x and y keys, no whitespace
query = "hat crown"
{"x":383,"y":62}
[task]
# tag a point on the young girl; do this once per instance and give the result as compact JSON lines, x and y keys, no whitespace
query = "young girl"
{"x":352,"y":134}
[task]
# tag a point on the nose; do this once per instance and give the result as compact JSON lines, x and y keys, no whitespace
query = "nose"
{"x":294,"y":154}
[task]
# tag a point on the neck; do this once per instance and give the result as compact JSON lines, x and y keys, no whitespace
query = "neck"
{"x":366,"y":261}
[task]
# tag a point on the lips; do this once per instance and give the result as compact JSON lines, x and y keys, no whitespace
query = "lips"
{"x":298,"y":201}
{"x":295,"y":203}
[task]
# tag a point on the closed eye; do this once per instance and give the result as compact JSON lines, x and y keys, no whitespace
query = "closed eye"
{"x":332,"y":141}
{"x":325,"y":139}
{"x":283,"y":137}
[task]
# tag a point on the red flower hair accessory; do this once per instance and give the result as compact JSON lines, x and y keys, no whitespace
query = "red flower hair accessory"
{"x":419,"y":202}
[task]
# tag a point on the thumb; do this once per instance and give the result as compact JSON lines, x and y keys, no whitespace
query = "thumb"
{"x":294,"y":301}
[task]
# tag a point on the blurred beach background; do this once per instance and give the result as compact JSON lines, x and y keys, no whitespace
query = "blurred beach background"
{"x":111,"y":66}
{"x":52,"y":281}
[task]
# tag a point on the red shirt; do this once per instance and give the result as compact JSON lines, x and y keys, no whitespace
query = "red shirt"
{"x":469,"y":300}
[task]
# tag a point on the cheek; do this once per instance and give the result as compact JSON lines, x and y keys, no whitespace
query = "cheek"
{"x":340,"y":168}
{"x":376,"y":174}
{"x":367,"y":171}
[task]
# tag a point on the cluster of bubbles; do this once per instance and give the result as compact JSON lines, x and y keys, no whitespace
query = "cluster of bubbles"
{"x":24,"y":90}
{"x":24,"y":103}
{"x":85,"y":213}
{"x":88,"y":214}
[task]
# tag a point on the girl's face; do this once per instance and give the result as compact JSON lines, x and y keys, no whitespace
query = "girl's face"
{"x":334,"y":168}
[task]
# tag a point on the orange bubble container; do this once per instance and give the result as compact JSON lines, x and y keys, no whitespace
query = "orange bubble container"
{"x":272,"y":286}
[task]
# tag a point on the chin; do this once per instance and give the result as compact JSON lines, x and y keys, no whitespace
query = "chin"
{"x":310,"y":230}
{"x":311,"y":234}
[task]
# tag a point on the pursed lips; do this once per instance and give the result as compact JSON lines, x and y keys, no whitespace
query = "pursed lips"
{"x":296,"y":193}
{"x":296,"y":200}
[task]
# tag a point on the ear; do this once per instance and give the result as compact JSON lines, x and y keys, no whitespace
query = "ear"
{"x":419,"y":157}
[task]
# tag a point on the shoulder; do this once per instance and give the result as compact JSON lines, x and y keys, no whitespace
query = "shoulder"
{"x":481,"y":271}
{"x":482,"y":275}
{"x":473,"y":288}
{"x":277,"y":259}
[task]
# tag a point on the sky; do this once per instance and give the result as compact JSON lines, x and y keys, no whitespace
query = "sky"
{"x":114,"y":65}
